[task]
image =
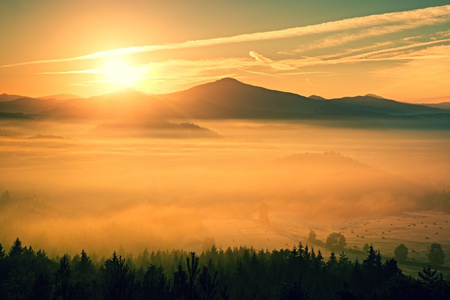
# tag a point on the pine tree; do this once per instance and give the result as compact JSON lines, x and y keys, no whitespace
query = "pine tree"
{"x":16,"y":249}
{"x":62,"y":286}
{"x":119,"y":280}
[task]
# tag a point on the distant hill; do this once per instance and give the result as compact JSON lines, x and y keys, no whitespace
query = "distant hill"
{"x":61,"y":97}
{"x":6,"y":97}
{"x":315,"y":97}
{"x":28,"y":105}
{"x":127,"y":103}
{"x":231,"y":99}
{"x":376,"y":104}
{"x":374,"y":96}
{"x":443,"y":105}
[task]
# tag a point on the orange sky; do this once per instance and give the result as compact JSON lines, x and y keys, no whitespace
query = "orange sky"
{"x":396,"y":50}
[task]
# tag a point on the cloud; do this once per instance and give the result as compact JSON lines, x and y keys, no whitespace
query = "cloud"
{"x":434,"y":15}
{"x":341,"y":39}
{"x":427,"y":76}
{"x":389,"y":54}
{"x":271,"y":63}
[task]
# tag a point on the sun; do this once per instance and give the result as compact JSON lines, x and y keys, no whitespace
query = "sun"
{"x":117,"y":71}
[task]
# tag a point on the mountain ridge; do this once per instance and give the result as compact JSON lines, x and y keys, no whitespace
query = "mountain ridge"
{"x":229,"y":98}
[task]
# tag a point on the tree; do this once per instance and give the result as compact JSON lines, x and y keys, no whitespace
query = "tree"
{"x":401,"y":253}
{"x":155,"y":283}
{"x":336,"y":241}
{"x":84,"y":274}
{"x":428,"y":276}
{"x":436,"y":255}
{"x":62,"y":286}
{"x":332,"y":261}
{"x":208,"y":284}
{"x":16,"y":248}
{"x":193,"y":271}
{"x":365,"y":247}
{"x":118,"y":279}
{"x":180,"y":285}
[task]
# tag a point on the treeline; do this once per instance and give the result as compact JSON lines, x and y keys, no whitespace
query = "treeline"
{"x":239,"y":273}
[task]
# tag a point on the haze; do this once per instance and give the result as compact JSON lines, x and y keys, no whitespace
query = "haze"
{"x":183,"y":124}
{"x":71,"y":187}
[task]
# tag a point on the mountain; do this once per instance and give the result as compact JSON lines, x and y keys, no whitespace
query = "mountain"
{"x":5,"y":97}
{"x":231,"y":99}
{"x":316,"y":97}
{"x":123,"y":104}
{"x":61,"y":97}
{"x":443,"y":105}
{"x":374,"y":96}
{"x":28,"y":105}
{"x":376,"y":104}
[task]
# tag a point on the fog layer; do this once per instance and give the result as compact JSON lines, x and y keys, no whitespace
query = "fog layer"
{"x":68,"y":186}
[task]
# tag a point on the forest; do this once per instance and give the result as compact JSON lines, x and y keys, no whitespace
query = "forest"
{"x":238,"y":273}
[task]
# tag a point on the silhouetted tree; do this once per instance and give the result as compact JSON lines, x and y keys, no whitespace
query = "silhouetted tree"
{"x":84,"y":277}
{"x":208,"y":284}
{"x":332,"y":262}
{"x":239,"y":273}
{"x":434,"y":283}
{"x":63,"y":289}
{"x":390,"y":269}
{"x":154,"y":284}
{"x":16,"y":248}
{"x":336,"y":241}
{"x":118,"y":279}
{"x":193,"y":271}
{"x":428,"y":276}
{"x":180,"y":285}
{"x":401,"y":253}
{"x":292,"y":290}
{"x":436,"y":255}
{"x":42,"y":288}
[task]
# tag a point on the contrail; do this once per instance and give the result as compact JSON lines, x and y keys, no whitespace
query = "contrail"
{"x":440,"y":14}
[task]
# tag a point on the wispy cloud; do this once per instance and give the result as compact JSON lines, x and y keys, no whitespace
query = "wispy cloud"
{"x":425,"y":80}
{"x":271,"y":63}
{"x":433,"y":15}
{"x":341,"y":39}
{"x":399,"y":53}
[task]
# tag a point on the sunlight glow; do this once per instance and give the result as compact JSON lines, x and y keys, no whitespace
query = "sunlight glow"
{"x":117,"y":71}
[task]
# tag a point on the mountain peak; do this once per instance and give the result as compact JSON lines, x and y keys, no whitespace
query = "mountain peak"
{"x":374,"y":96}
{"x":316,"y":97}
{"x":228,"y":81}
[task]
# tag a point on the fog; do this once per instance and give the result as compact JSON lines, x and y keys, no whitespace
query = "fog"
{"x":68,"y":186}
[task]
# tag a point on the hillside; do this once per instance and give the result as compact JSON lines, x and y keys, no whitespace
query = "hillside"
{"x":229,"y":98}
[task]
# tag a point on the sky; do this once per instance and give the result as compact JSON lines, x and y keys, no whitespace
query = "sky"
{"x":333,"y":48}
